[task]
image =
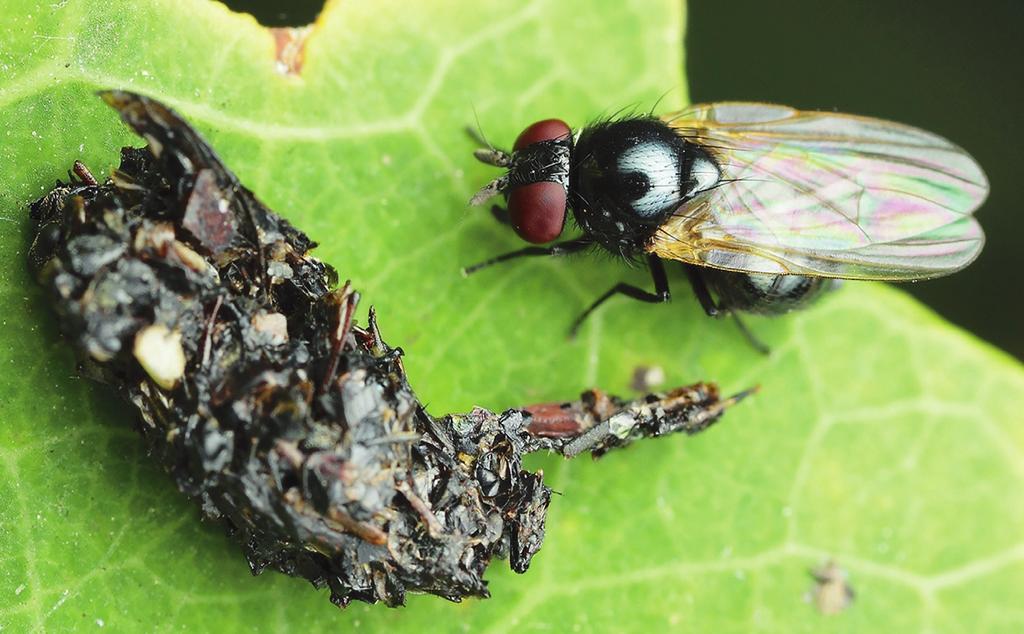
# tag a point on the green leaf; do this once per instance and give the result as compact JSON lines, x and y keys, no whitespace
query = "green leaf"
{"x":883,"y":438}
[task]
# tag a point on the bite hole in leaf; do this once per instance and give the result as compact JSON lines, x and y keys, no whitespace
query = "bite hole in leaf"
{"x":276,"y":14}
{"x":291,"y":27}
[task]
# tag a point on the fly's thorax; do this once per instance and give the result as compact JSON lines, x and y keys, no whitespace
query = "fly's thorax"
{"x":765,"y":294}
{"x":628,"y":176}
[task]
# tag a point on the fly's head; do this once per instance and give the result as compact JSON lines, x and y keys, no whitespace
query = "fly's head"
{"x":536,"y":183}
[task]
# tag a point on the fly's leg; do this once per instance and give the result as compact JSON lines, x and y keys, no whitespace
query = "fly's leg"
{"x":562,"y":248}
{"x":700,"y":290}
{"x":752,"y":339}
{"x":501,"y":214}
{"x":661,"y":292}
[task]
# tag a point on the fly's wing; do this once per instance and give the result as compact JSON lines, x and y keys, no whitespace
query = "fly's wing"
{"x":825,"y":194}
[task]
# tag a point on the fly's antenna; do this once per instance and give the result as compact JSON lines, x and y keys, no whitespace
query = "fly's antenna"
{"x":490,"y":155}
{"x":477,"y":133}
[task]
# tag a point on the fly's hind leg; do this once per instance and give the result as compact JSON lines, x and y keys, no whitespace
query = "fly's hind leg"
{"x":751,"y":338}
{"x":712,"y":309}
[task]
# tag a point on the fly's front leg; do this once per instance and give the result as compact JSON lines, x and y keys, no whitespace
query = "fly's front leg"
{"x":661,"y":292}
{"x":501,"y":214}
{"x":562,"y":248}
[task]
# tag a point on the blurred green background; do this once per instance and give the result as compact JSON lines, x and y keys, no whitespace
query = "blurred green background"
{"x":951,"y":67}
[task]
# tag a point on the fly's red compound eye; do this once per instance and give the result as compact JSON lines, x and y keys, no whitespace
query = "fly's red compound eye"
{"x":537,"y":210}
{"x":546,"y":130}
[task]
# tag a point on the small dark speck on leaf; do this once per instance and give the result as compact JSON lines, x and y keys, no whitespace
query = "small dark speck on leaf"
{"x":832,"y":592}
{"x":647,"y":377}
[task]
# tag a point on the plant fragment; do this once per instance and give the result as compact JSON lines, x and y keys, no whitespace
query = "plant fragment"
{"x":271,"y":407}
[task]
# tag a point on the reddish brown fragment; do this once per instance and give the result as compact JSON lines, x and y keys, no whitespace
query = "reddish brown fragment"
{"x":83,"y":173}
{"x":552,"y":420}
{"x":366,"y":532}
{"x":208,"y":214}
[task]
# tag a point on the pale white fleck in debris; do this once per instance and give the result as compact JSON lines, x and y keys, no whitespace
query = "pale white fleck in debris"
{"x":273,"y":324}
{"x":155,"y":147}
{"x":360,"y":397}
{"x":160,"y":354}
{"x":280,"y":269}
{"x":189,"y":258}
{"x":100,"y":623}
{"x":19,"y":590}
{"x":385,"y":159}
{"x":621,"y":424}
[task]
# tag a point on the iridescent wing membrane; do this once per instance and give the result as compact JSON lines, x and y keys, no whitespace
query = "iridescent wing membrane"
{"x":825,"y":194}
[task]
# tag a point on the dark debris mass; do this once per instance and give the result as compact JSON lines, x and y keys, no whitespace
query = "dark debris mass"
{"x":272,"y":408}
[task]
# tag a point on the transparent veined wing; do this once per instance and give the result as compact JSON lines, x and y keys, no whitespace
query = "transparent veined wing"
{"x":825,"y":194}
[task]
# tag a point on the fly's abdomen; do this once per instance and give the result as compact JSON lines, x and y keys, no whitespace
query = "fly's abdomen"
{"x":765,"y":294}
